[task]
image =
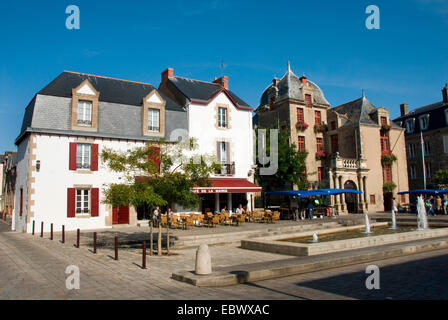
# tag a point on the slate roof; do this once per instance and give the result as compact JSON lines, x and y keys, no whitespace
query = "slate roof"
{"x":290,"y":87}
{"x":202,"y":90}
{"x":359,"y":111}
{"x":436,"y":113}
{"x":119,"y":108}
{"x":111,"y":90}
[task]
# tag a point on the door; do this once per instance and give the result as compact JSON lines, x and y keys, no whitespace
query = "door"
{"x":120,"y":216}
{"x":388,"y":201}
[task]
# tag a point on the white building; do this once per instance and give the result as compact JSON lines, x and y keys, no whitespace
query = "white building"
{"x":60,"y":179}
{"x":222,"y":124}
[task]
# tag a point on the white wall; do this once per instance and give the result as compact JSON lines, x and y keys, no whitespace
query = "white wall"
{"x":54,"y":177}
{"x":202,"y":126}
{"x":18,"y":223}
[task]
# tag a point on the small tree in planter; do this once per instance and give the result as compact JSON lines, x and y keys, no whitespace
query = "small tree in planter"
{"x":388,"y":160}
{"x":385,"y":127}
{"x":301,"y":125}
{"x":321,"y":154}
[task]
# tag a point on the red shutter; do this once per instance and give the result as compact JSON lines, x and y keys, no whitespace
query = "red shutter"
{"x":95,"y":201}
{"x":72,"y":156}
{"x":71,"y":194}
{"x":155,"y":156}
{"x":94,"y":158}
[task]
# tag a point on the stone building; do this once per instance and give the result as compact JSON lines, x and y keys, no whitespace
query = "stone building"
{"x":429,"y":122}
{"x":351,"y":146}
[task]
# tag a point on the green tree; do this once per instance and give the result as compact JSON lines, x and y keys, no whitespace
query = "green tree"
{"x":441,"y":177}
{"x":291,"y":166}
{"x":158,"y":174}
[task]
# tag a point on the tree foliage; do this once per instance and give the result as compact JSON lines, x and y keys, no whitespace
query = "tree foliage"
{"x":441,"y":177}
{"x":158,"y":174}
{"x":291,"y":166}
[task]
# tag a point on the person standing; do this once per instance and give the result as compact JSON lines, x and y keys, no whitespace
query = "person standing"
{"x":310,"y":209}
{"x":394,"y":206}
{"x":445,"y":203}
{"x":156,"y":214}
{"x":438,"y":205}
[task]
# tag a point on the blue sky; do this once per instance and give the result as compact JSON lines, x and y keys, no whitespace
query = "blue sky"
{"x":405,"y":61}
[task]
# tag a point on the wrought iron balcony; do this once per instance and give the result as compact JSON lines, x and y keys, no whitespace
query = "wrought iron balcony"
{"x":227,"y":168}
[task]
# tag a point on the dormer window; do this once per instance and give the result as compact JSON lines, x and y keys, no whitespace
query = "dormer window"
{"x":410,"y":125}
{"x":222,"y":117}
{"x":85,"y":107}
{"x":308,"y":102}
{"x":153,"y":116}
{"x":424,"y":122}
{"x":84,"y":112}
{"x":153,"y":120}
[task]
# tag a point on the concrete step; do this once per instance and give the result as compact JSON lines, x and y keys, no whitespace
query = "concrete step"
{"x":233,"y":275}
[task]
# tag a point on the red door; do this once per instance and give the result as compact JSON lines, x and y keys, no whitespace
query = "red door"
{"x":120,"y":216}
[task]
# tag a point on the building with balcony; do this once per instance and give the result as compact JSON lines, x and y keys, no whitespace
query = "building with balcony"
{"x":426,"y":135}
{"x":221,"y":122}
{"x":351,"y":146}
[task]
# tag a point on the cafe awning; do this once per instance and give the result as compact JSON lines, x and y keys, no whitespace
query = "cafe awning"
{"x":313,"y":193}
{"x":424,"y":191}
{"x":228,"y":185}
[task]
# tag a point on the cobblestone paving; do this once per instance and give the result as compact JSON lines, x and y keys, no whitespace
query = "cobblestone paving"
{"x":34,"y":268}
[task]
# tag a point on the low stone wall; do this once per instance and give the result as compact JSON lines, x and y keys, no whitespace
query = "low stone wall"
{"x":271,"y":244}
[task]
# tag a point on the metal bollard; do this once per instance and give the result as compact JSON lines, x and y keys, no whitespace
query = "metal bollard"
{"x":116,"y":248}
{"x":144,"y":255}
{"x":42,"y":229}
{"x":94,"y":242}
{"x":77,"y":238}
{"x":51,"y":232}
{"x":63,"y":234}
{"x":34,"y":223}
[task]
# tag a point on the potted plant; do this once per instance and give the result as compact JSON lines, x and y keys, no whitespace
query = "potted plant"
{"x":301,"y":125}
{"x":321,"y":127}
{"x":321,"y":154}
{"x":385,"y":127}
{"x":388,"y":159}
{"x":389,"y":187}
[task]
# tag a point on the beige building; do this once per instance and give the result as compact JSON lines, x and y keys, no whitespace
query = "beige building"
{"x":351,"y":146}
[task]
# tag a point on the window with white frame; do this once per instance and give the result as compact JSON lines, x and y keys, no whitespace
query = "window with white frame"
{"x":222,"y":117}
{"x":83,"y":151}
{"x":424,"y":121}
{"x":84,"y":112}
{"x":412,"y":172}
{"x":445,"y":144}
{"x":427,"y":148}
{"x":153,"y":120}
{"x":82,"y":201}
{"x":411,"y":150}
{"x":410,"y":125}
{"x":223,"y":149}
{"x":428,"y":170}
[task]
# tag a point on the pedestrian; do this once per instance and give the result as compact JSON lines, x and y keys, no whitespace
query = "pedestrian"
{"x":310,"y":209}
{"x":156,"y":214}
{"x":438,"y":205}
{"x":429,"y":209}
{"x":445,"y":203}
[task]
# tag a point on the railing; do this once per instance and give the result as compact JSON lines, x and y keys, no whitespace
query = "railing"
{"x":227,"y":168}
{"x":347,"y":163}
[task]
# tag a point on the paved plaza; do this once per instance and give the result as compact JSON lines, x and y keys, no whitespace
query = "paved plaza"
{"x":34,"y":268}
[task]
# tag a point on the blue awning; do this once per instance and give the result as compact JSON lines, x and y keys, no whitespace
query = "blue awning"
{"x":313,"y":193}
{"x":424,"y":191}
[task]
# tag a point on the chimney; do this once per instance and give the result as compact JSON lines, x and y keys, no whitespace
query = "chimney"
{"x":404,"y":109}
{"x":223,"y":81}
{"x":303,"y":79}
{"x":445,"y":93}
{"x":168,"y":73}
